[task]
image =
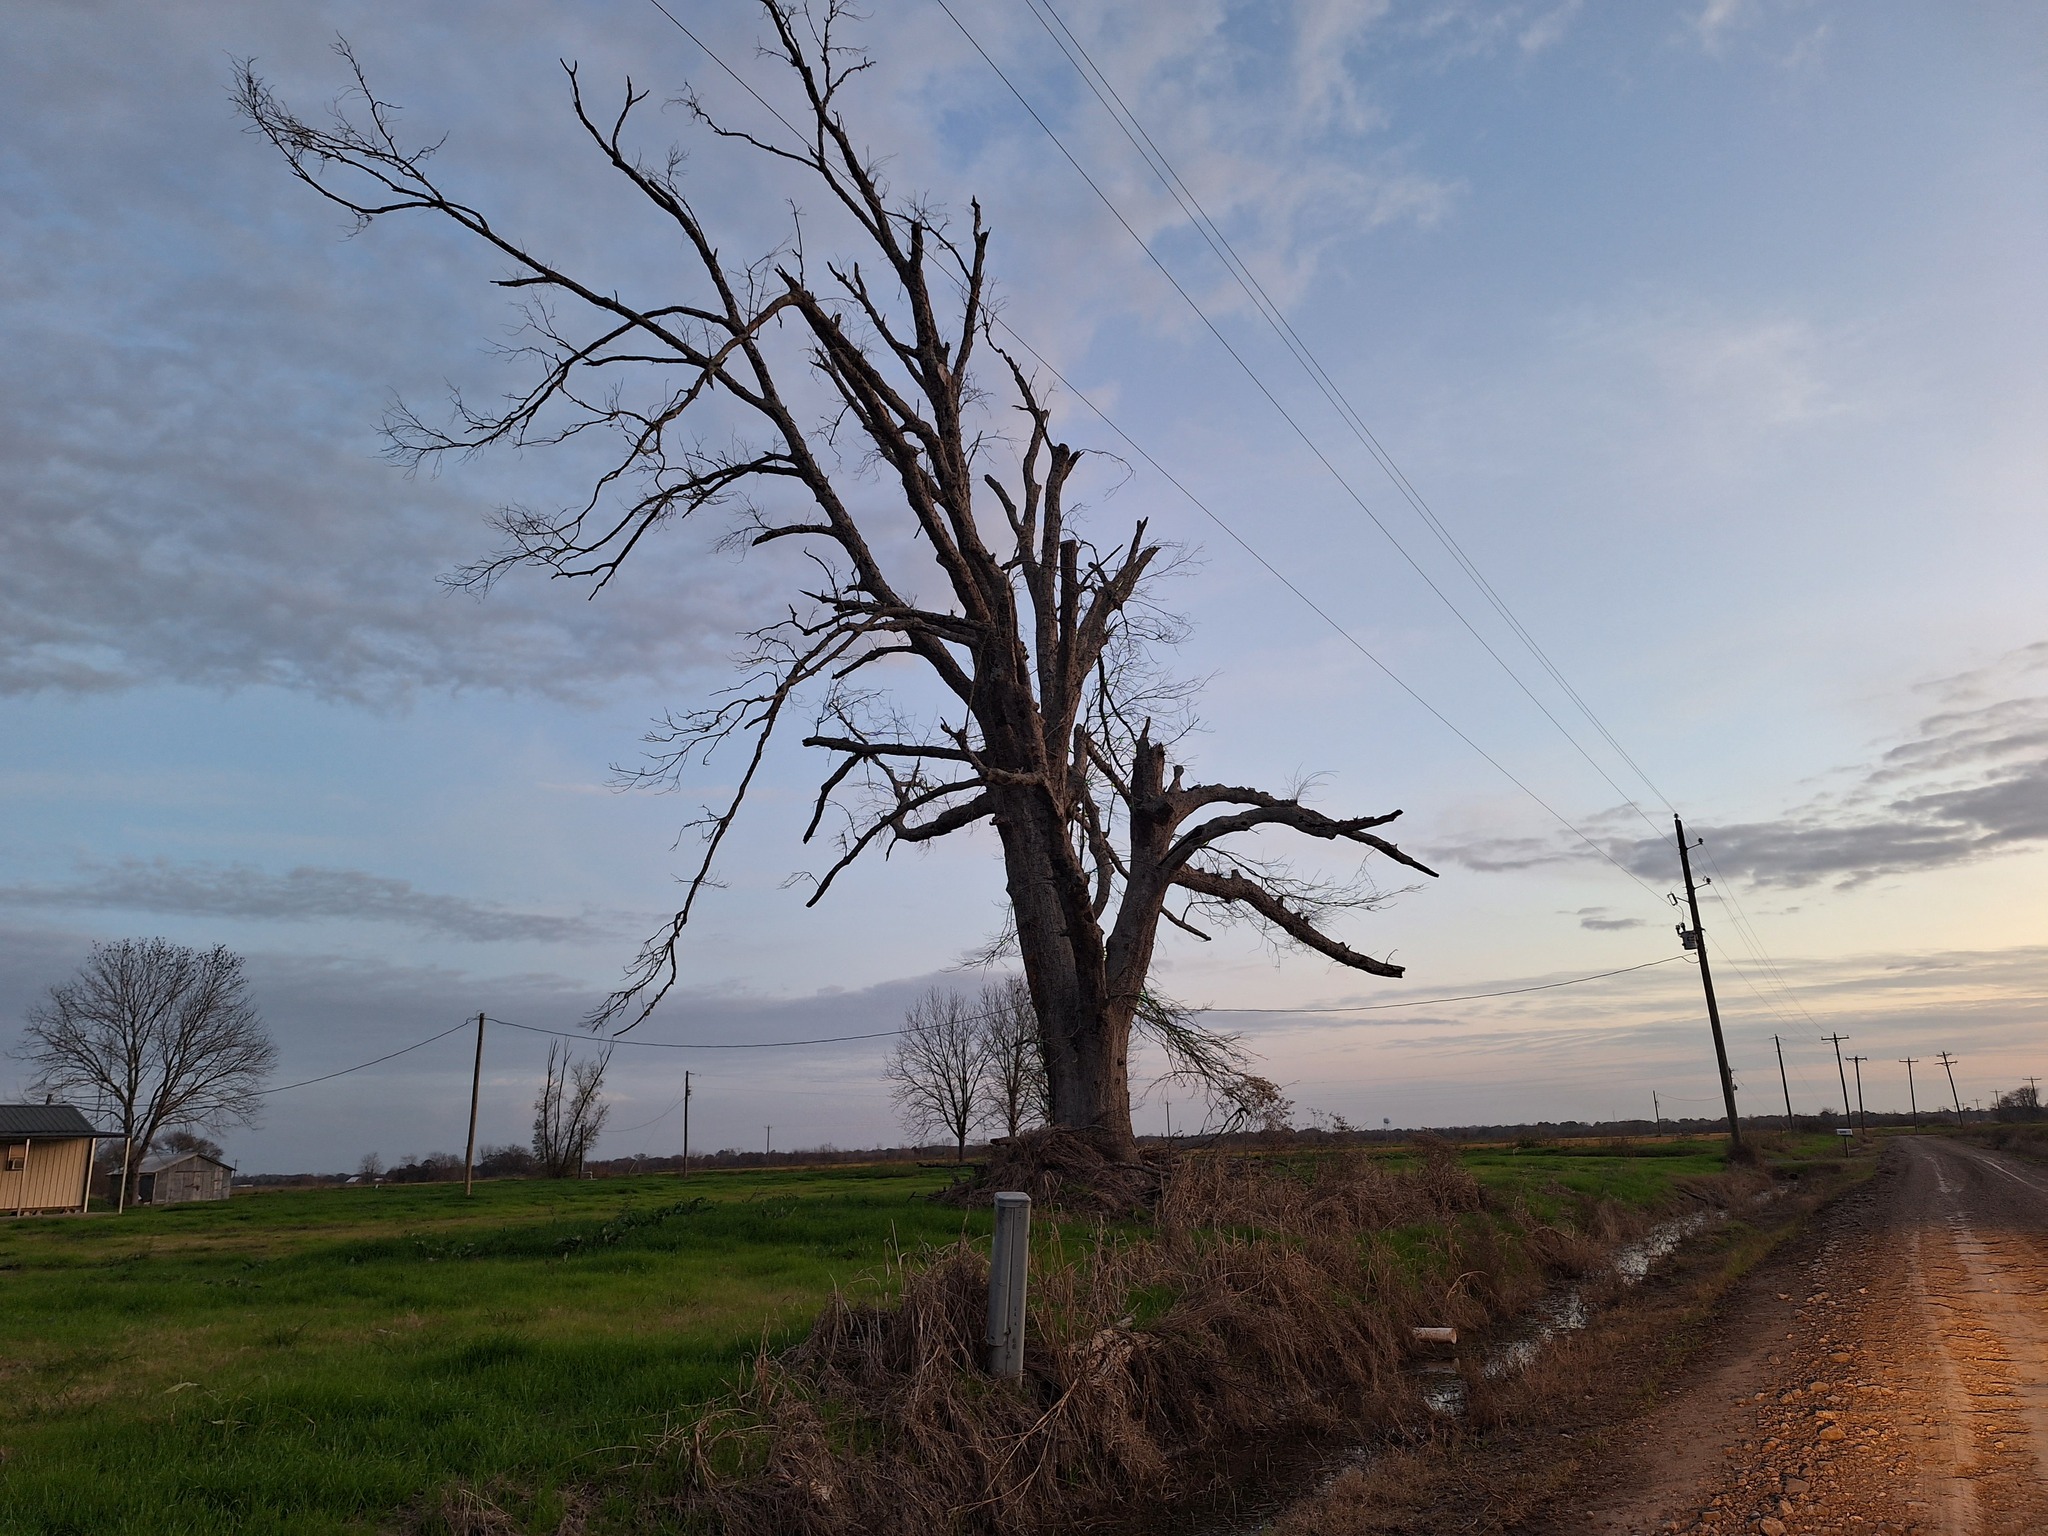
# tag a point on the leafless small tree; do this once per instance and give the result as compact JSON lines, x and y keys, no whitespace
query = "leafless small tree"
{"x":1013,"y":1063}
{"x":187,"y":1141}
{"x":569,"y":1112}
{"x":162,"y":1035}
{"x":938,"y":1069}
{"x":965,"y":652}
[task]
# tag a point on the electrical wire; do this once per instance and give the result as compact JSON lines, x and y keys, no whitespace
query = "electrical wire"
{"x":373,"y":1061}
{"x":1424,"y":1002}
{"x":1130,"y":442}
{"x":696,"y":1045}
{"x":1120,"y":112}
{"x":1273,"y":400}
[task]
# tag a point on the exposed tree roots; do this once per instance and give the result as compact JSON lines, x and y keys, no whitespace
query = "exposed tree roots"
{"x":1062,"y":1170}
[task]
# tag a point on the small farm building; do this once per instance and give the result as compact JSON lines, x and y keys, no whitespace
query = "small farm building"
{"x":45,"y":1158}
{"x":175,"y":1178}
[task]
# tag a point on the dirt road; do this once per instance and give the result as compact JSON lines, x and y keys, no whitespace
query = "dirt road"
{"x":1895,"y":1380}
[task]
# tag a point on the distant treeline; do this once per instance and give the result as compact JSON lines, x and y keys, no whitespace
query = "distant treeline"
{"x":515,"y":1162}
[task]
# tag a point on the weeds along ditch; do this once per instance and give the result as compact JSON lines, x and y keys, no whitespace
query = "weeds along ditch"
{"x":1267,"y":1306}
{"x":759,"y":1351}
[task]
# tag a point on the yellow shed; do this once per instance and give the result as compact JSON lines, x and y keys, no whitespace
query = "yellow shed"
{"x":45,"y":1158}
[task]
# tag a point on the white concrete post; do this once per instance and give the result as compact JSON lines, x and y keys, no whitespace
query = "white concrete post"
{"x":1009,"y":1266}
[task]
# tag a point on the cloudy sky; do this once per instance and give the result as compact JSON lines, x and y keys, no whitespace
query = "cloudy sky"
{"x":1710,"y":329}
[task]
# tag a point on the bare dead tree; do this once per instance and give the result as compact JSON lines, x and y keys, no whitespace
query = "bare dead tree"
{"x":1013,"y":1064}
{"x":163,"y":1035}
{"x":569,"y":1111}
{"x":1031,"y":642}
{"x":937,"y":1070}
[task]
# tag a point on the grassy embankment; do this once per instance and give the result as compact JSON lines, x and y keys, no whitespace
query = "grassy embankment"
{"x":335,"y":1360}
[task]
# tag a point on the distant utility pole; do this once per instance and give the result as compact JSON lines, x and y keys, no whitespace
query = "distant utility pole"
{"x":476,"y":1082}
{"x":1948,"y":1064}
{"x":1911,"y":1101}
{"x":1657,"y":1109}
{"x":1840,"y":1070}
{"x":686,"y":1125}
{"x":1862,"y":1122}
{"x":1697,"y":942}
{"x":1789,"y":1126}
{"x":767,"y":1140}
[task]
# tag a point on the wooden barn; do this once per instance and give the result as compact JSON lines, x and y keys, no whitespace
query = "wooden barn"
{"x":176,"y":1178}
{"x":45,"y":1158}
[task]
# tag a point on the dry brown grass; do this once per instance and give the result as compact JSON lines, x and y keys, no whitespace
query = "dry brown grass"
{"x":1265,"y":1304}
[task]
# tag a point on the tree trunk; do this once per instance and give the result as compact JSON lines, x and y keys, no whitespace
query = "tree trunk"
{"x":1084,"y":1026}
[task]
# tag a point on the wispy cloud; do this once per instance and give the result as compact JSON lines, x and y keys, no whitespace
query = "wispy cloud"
{"x":1966,"y":783}
{"x":301,"y":895}
{"x":1717,"y":19}
{"x":1603,"y":920}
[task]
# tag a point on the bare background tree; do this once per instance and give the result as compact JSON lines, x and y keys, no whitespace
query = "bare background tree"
{"x":2022,"y":1103}
{"x":155,"y":1034}
{"x":1016,"y":651}
{"x":1013,"y":1065}
{"x":569,"y":1112}
{"x":938,"y":1069}
{"x":187,"y":1141}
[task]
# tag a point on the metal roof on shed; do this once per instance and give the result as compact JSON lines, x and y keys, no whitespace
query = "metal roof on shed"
{"x":158,"y":1162}
{"x":44,"y":1120}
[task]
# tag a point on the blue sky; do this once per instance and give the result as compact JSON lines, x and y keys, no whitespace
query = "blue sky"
{"x":1711,"y":329}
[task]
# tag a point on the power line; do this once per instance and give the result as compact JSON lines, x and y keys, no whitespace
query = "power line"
{"x":373,"y":1061}
{"x":1276,"y":319}
{"x":889,"y":1034}
{"x":1173,"y":480}
{"x":1424,"y":1002}
{"x":695,"y":1045}
{"x":1287,"y":416}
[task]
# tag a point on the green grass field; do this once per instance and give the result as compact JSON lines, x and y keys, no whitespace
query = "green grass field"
{"x":325,"y":1360}
{"x":333,"y":1360}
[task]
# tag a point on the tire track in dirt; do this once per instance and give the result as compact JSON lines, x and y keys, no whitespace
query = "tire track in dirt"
{"x":1893,"y":1383}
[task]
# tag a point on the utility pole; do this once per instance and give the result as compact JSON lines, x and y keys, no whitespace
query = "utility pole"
{"x":2034,"y":1087}
{"x":1948,"y":1063}
{"x":1911,"y":1102}
{"x":1657,"y":1109}
{"x":1782,"y":1083}
{"x":476,"y":1082}
{"x":1698,"y":943}
{"x":1840,"y":1070}
{"x":767,"y":1140}
{"x":1862,"y":1121}
{"x":686,"y":1125}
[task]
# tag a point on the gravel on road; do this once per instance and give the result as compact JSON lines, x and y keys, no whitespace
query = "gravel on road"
{"x":1894,"y":1383}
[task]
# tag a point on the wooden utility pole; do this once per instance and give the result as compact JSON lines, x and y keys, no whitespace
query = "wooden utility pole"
{"x":1657,"y":1109}
{"x":1862,"y":1120}
{"x":1948,"y":1064}
{"x":476,"y":1082}
{"x":1912,"y":1102}
{"x":1782,"y":1083}
{"x":767,"y":1141}
{"x":686,"y":1125}
{"x":1699,"y":945}
{"x":1840,"y":1070}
